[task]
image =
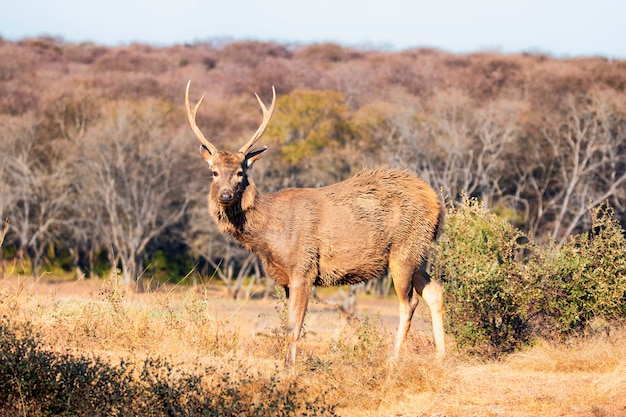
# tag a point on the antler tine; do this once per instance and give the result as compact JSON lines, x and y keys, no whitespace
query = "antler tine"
{"x":191,"y":118}
{"x":267,"y":115}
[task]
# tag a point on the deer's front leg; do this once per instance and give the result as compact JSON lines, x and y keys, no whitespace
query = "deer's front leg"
{"x":296,"y":310}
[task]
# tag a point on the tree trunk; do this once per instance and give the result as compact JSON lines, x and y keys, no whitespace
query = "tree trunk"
{"x":34,"y":264}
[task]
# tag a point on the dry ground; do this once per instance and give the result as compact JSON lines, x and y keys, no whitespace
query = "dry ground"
{"x":193,"y":325}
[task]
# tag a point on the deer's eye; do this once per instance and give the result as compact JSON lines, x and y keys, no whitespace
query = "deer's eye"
{"x":240,"y":173}
{"x":215,"y":174}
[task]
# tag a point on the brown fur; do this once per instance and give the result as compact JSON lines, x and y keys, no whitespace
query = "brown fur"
{"x":349,"y":232}
{"x":345,"y":233}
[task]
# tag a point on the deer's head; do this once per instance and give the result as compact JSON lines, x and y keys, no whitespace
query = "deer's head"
{"x":229,"y":168}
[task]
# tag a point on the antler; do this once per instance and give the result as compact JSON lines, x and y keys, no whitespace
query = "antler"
{"x":267,"y":115}
{"x":191,"y":117}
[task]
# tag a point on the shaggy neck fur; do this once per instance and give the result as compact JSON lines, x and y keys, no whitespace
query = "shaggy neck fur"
{"x":233,"y":219}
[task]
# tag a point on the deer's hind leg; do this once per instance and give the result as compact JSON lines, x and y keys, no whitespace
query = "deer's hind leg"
{"x":408,"y":300}
{"x":432,"y":293}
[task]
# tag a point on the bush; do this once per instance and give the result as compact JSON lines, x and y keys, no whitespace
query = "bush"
{"x":367,"y":347}
{"x":503,"y":291}
{"x":36,"y":381}
{"x":584,"y":280}
{"x":488,"y":286}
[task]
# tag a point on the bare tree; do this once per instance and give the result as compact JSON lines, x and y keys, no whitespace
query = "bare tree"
{"x":471,"y":143}
{"x":37,"y":178}
{"x":135,"y":178}
{"x":577,"y":164}
{"x":69,"y":110}
{"x":6,"y":196}
{"x":83,"y":241}
{"x":460,"y":151}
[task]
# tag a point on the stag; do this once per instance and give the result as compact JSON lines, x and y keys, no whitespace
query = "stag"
{"x":346,"y":233}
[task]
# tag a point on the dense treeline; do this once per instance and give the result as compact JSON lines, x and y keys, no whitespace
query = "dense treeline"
{"x":98,"y":167}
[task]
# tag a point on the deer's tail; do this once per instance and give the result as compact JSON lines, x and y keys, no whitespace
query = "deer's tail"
{"x":440,"y":221}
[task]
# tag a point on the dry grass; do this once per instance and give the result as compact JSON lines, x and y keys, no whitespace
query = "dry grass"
{"x":347,"y":363}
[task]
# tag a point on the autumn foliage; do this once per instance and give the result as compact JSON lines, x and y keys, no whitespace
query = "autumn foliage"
{"x":99,"y":170}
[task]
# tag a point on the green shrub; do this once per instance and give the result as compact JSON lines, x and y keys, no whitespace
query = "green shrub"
{"x":489,"y":288}
{"x":503,"y":291}
{"x":168,"y":265}
{"x":584,"y":279}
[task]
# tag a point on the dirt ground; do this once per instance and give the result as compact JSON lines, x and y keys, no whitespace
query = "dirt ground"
{"x":254,"y":315}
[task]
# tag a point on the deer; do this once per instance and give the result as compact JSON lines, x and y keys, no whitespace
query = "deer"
{"x":380,"y":221}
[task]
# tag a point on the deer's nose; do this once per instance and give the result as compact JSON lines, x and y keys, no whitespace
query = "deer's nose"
{"x":226,"y":197}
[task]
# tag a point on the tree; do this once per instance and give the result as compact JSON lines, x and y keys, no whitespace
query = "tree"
{"x":6,"y":196}
{"x":471,"y":145}
{"x":69,"y":111}
{"x":308,"y":124}
{"x":576,"y":164}
{"x":453,"y":144}
{"x":37,"y":176}
{"x":134,"y":175}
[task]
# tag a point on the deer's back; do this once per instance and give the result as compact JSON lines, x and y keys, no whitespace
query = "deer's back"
{"x":395,"y":207}
{"x":348,"y":231}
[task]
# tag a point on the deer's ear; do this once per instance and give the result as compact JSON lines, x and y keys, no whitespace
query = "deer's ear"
{"x":206,"y":154}
{"x":254,"y":155}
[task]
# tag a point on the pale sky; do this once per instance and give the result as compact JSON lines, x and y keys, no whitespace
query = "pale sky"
{"x":561,"y":28}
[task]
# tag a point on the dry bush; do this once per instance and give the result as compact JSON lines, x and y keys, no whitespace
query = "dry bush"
{"x":363,"y":376}
{"x":601,"y":353}
{"x":153,"y":355}
{"x":38,"y":381}
{"x":171,"y":337}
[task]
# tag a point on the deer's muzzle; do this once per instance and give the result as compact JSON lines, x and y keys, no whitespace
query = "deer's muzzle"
{"x":226,"y":198}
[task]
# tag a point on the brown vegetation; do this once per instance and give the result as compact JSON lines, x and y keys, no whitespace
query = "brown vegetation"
{"x":191,"y":329}
{"x":539,"y":138}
